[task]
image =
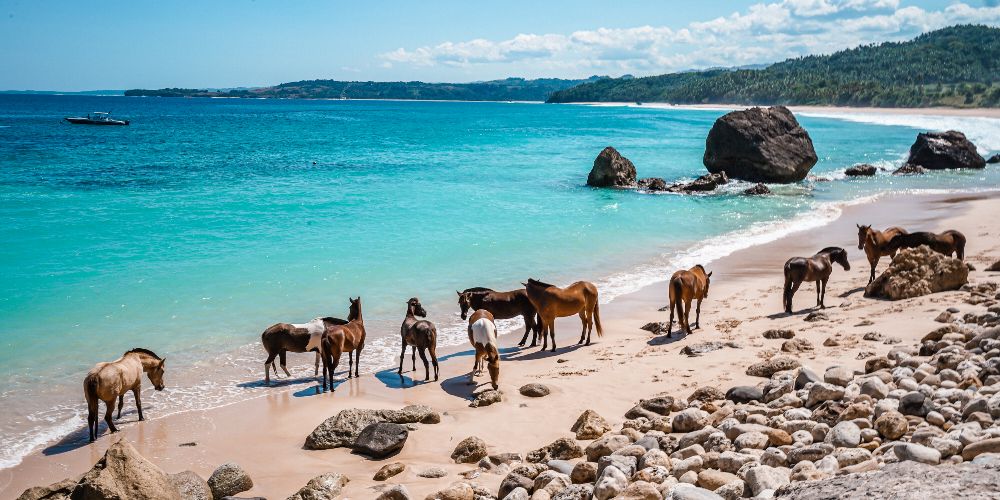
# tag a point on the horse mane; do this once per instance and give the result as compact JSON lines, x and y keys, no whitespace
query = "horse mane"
{"x":699,"y":266}
{"x":533,"y":281}
{"x":140,"y":350}
{"x":477,"y":289}
{"x":831,"y":250}
{"x":336,"y":321}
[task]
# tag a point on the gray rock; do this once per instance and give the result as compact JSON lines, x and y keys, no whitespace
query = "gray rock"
{"x":763,"y":477}
{"x":805,"y":377}
{"x":575,"y":492}
{"x":606,"y":445}
{"x":744,"y":394}
{"x":821,"y":392}
{"x":689,"y":420}
{"x":379,"y":440}
{"x":323,"y":487}
{"x":685,"y":491}
{"x":838,"y":375}
{"x":944,"y":150}
{"x":772,"y":366}
{"x":917,"y":453}
{"x":914,"y":403}
{"x":626,"y":464}
{"x":610,"y":483}
{"x":396,"y":492}
{"x":902,"y":480}
{"x":875,"y":388}
{"x":432,"y":473}
{"x":611,"y":169}
{"x":469,"y":451}
{"x":342,"y":429}
{"x":512,"y":482}
{"x":760,"y":145}
{"x":190,"y":485}
{"x":844,"y":435}
{"x":229,"y":479}
{"x":535,"y":390}
{"x":486,"y":398}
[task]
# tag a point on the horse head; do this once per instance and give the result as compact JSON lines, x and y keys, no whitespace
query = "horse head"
{"x":414,"y":307}
{"x":862,"y":235}
{"x":355,"y":311}
{"x":708,"y":281}
{"x":155,"y":375}
{"x":839,"y":255}
{"x":464,"y":302}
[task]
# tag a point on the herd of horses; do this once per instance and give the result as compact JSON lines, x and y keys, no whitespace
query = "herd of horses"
{"x":538,"y":304}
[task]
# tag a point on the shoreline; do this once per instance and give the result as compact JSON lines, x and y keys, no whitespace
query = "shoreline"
{"x":954,"y":112}
{"x":220,"y":431}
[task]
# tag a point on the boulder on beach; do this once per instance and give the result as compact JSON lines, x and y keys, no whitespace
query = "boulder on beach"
{"x":469,"y":451}
{"x":918,"y":271}
{"x":229,"y":479}
{"x":760,"y":145}
{"x":342,"y":429}
{"x":381,"y":439}
{"x":862,"y":170}
{"x":323,"y":487}
{"x":611,"y":169}
{"x":124,"y":473}
{"x":943,"y":150}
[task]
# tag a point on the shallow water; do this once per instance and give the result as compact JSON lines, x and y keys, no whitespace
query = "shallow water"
{"x":207,"y":220}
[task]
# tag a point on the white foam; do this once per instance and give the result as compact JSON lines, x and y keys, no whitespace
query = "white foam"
{"x":983,"y":132}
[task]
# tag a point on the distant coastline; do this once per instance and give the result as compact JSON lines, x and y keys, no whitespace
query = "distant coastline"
{"x":839,"y":110}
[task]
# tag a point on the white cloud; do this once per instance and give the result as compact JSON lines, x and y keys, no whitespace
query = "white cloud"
{"x":765,"y":32}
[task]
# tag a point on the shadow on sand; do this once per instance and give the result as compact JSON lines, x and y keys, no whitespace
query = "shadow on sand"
{"x":81,"y":436}
{"x":667,"y":338}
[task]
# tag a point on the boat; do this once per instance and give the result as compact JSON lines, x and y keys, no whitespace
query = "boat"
{"x":95,"y":118}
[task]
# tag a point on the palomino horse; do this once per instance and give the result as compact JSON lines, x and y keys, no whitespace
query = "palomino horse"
{"x":502,"y":305}
{"x":553,"y":302}
{"x":946,"y":243}
{"x":483,"y":336}
{"x":338,"y":339}
{"x":817,"y":268}
{"x":686,"y":286}
{"x":875,"y":244}
{"x":293,"y":337}
{"x":421,"y":334}
{"x":107,"y":381}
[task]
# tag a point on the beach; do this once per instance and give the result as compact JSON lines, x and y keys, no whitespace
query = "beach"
{"x":265,"y":435}
{"x":840,"y":110}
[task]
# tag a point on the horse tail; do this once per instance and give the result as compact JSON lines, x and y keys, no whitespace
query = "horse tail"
{"x":959,"y":244}
{"x":597,"y":318}
{"x":677,"y":292}
{"x":90,"y":389}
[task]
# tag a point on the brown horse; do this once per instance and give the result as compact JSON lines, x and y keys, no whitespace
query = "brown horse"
{"x":338,"y":339}
{"x":817,"y":268}
{"x":875,"y":243}
{"x":686,"y":286}
{"x":553,"y":302}
{"x":503,"y":305}
{"x":293,"y":337}
{"x":421,"y":334}
{"x":946,"y":243}
{"x":483,"y":336}
{"x":107,"y":381}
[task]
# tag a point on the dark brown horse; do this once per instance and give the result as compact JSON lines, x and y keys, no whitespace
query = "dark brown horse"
{"x":553,"y":302}
{"x":686,"y":286}
{"x":483,"y":336}
{"x":107,"y":381}
{"x":946,"y":243}
{"x":503,"y":305}
{"x":421,"y":334}
{"x":293,"y":337}
{"x":875,"y":243}
{"x":817,"y":268}
{"x":338,"y":339}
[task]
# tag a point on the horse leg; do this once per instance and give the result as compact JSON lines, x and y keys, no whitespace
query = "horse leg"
{"x":402,"y":358}
{"x":413,"y":357}
{"x":822,"y":298}
{"x":583,"y":319}
{"x":107,"y":416}
{"x":791,"y":293}
{"x":281,"y":356}
{"x":334,"y":361}
{"x":350,"y":364}
{"x":92,"y":418}
{"x":138,"y":403}
{"x":357,"y":361}
{"x":874,"y":262}
{"x":687,"y":316}
{"x":545,"y":334}
{"x":786,"y":298}
{"x":267,"y":368}
{"x":552,"y":333}
{"x":427,"y":367}
{"x":819,"y":286}
{"x":697,"y":315}
{"x":434,"y":360}
{"x":670,"y":325}
{"x":590,"y":321}
{"x":529,"y":327}
{"x":121,"y":403}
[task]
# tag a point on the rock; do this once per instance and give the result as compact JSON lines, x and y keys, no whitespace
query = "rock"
{"x":575,"y":492}
{"x":909,"y":169}
{"x":772,"y":366}
{"x":661,"y":405}
{"x":972,"y":450}
{"x":821,"y":392}
{"x":943,"y":150}
{"x":902,"y":480}
{"x":877,"y":363}
{"x":58,"y":491}
{"x":712,"y":479}
{"x":891,"y":425}
{"x":760,"y":145}
{"x":551,"y":481}
{"x":455,"y":491}
{"x":796,"y":345}
{"x":388,"y":471}
{"x":844,"y":435}
{"x":486,"y":398}
{"x":816,"y":316}
{"x":640,"y":490}
{"x":707,"y":182}
{"x":914,"y":403}
{"x":432,"y":473}
{"x":626,"y":464}
{"x":399,"y":492}
{"x":918,"y":271}
{"x":862,"y":170}
{"x":611,"y":169}
{"x":606,"y":445}
{"x":652,"y":184}
{"x":706,"y":394}
{"x":121,"y":473}
{"x":689,"y":420}
{"x":324,"y":487}
{"x":229,"y":479}
{"x":512,"y":482}
{"x":690,"y":492}
{"x":763,"y":477}
{"x":611,"y":482}
{"x":875,"y":388}
{"x":805,"y":377}
{"x":560,"y":449}
{"x":590,"y":425}
{"x":534,"y":390}
{"x":469,"y":451}
{"x":917,"y":453}
{"x":758,"y":189}
{"x":341,"y":430}
{"x":583,"y":472}
{"x":994,"y":159}
{"x":838,"y":375}
{"x":750,"y":440}
{"x":379,"y":440}
{"x":778,"y":334}
{"x":744,"y":394}
{"x":190,"y":485}
{"x":656,"y":327}
{"x":812,"y":453}
{"x":700,"y":348}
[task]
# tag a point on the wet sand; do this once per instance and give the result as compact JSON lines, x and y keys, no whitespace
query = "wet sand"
{"x":266,"y":435}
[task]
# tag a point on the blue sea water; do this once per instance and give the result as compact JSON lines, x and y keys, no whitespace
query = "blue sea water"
{"x":207,"y":220}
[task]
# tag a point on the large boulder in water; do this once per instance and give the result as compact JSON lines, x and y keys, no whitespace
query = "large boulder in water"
{"x":611,"y":169}
{"x":760,"y":145}
{"x":124,"y":473}
{"x":941,"y":150}
{"x":918,"y":271}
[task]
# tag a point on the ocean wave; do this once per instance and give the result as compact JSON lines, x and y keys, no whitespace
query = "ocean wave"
{"x":983,"y":132}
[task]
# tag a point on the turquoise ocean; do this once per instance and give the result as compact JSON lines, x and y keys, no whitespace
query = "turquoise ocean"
{"x":207,"y":220}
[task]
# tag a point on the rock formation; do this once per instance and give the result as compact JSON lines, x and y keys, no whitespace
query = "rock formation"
{"x":918,"y":271}
{"x":760,"y":145}
{"x":942,"y":150}
{"x":611,"y":169}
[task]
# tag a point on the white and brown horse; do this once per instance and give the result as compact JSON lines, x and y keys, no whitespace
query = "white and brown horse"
{"x":686,"y":286}
{"x":483,"y":336}
{"x":817,"y":268}
{"x":294,"y":337}
{"x":875,"y":243}
{"x":109,"y":381}
{"x":553,"y":302}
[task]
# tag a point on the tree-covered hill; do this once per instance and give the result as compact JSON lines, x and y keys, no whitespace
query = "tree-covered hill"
{"x":955,"y":66}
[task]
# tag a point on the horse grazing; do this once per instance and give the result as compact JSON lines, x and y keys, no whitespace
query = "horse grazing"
{"x":293,"y":337}
{"x":946,"y":243}
{"x":553,"y":302}
{"x":817,"y":268}
{"x":686,"y":286}
{"x":876,"y":244}
{"x":338,"y":339}
{"x":503,"y":305}
{"x":483,"y":336}
{"x":421,"y":334}
{"x":107,"y":381}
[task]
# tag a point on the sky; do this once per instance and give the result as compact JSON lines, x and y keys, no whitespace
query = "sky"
{"x":86,"y":45}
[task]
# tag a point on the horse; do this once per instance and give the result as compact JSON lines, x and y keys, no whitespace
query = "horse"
{"x":686,"y":286}
{"x":421,"y":334}
{"x":553,"y":302}
{"x":107,"y":381}
{"x":946,"y":243}
{"x":503,"y":305}
{"x":337,"y":339}
{"x":293,"y":337}
{"x":875,"y":244}
{"x":817,"y":268}
{"x":483,"y":336}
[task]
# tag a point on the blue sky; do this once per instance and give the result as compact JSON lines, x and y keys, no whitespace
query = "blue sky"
{"x":77,"y":45}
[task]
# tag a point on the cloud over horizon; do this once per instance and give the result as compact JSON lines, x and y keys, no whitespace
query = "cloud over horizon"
{"x":763,"y":33}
